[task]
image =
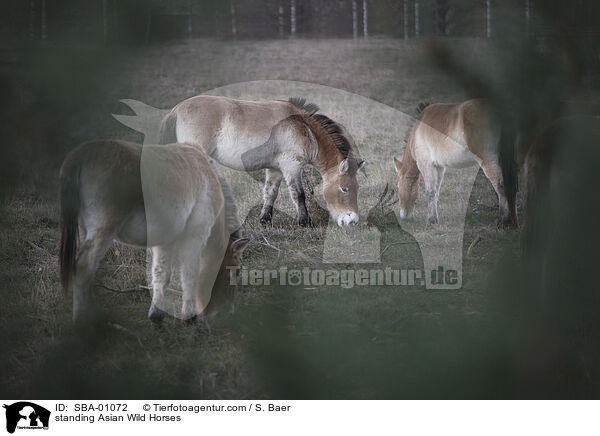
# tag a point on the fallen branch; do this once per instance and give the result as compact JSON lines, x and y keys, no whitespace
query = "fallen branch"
{"x":125,"y":330}
{"x":139,"y":288}
{"x":397,"y":243}
{"x":34,"y":246}
{"x":268,"y":244}
{"x":473,"y":244}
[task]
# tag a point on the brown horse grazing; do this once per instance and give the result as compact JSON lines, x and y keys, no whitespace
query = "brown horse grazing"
{"x":279,"y":136}
{"x":166,"y":197}
{"x":454,"y":136}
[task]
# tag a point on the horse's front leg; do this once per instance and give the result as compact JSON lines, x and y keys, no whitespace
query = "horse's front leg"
{"x":294,"y":182}
{"x":270,"y":192}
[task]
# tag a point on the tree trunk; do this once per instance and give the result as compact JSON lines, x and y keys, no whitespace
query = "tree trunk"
{"x":527,"y":17}
{"x":32,"y":20}
{"x":354,"y":20}
{"x":365,"y":20}
{"x":441,"y":8}
{"x":405,"y":18}
{"x":44,"y":20}
{"x":488,"y":18}
{"x":189,"y":24}
{"x":280,"y":20}
{"x":233,"y":24}
{"x":104,"y":21}
{"x":293,"y":17}
{"x":417,"y":30}
{"x":148,"y":22}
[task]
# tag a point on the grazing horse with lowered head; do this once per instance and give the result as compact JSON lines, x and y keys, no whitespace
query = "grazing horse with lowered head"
{"x":279,"y":136}
{"x":167,"y":197}
{"x":456,"y":136}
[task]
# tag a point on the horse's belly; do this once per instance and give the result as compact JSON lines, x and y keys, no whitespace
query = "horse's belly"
{"x":133,"y":231}
{"x":243,"y":152}
{"x":162,"y":227}
{"x":455,"y":156}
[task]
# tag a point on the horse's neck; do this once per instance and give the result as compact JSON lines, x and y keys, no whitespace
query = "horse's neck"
{"x":326,"y":157}
{"x":326,"y":162}
{"x":409,"y":168}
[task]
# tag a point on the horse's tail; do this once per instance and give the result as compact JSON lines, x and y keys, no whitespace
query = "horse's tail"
{"x":69,"y":219}
{"x":509,"y":167}
{"x":421,"y":107}
{"x":168,"y":134}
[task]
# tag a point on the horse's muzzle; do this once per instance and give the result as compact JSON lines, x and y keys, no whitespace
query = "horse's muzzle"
{"x":345,"y":219}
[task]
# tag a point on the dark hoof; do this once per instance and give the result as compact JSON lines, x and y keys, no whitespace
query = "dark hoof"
{"x":305,"y":222}
{"x":506,"y":223}
{"x":156,"y":315}
{"x":266,"y":216}
{"x":266,"y":220}
{"x":192,"y":321}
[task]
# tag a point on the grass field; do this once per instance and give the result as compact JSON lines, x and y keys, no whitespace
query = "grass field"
{"x":290,"y":342}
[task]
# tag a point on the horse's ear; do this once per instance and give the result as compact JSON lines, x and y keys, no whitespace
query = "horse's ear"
{"x":343,"y":167}
{"x":237,"y":246}
{"x":361,"y":165}
{"x":397,"y":164}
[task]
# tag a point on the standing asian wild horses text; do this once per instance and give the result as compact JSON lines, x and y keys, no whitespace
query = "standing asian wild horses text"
{"x":279,"y":136}
{"x":166,"y":197}
{"x":457,"y":136}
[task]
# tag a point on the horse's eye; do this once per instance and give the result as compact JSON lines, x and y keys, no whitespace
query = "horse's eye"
{"x":343,"y":189}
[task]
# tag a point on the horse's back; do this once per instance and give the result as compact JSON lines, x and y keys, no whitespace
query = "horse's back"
{"x":181,"y":191}
{"x":109,"y":172}
{"x":148,"y":195}
{"x":225,"y":127}
{"x":454,"y":133}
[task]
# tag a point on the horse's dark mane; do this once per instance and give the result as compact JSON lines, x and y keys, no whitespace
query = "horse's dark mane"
{"x":421,"y":107}
{"x":335,"y":132}
{"x":333,"y":129}
{"x":301,"y":103}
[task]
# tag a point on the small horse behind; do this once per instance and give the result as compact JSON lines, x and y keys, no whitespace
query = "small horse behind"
{"x":456,"y":136}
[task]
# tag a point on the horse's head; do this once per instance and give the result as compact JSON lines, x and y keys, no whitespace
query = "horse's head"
{"x":223,"y":290}
{"x":408,"y":189}
{"x":340,"y":190}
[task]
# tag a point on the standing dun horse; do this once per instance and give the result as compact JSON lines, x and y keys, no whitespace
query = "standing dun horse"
{"x":166,"y":197}
{"x":279,"y":136}
{"x":455,"y":136}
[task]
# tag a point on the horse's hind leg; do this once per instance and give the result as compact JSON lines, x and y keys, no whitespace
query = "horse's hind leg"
{"x":162,"y":258}
{"x":294,"y":183}
{"x":89,"y":256}
{"x":270,"y":192}
{"x":493,"y":172}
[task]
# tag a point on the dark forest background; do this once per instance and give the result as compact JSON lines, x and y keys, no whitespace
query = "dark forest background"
{"x":146,"y":21}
